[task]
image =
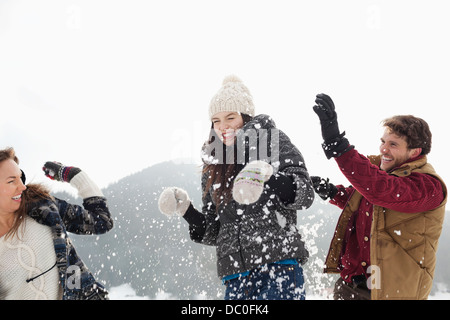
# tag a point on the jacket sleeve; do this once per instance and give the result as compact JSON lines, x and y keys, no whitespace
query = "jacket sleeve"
{"x":292,"y":165}
{"x":91,"y":218}
{"x":342,"y":196}
{"x":203,"y":226}
{"x":417,"y":192}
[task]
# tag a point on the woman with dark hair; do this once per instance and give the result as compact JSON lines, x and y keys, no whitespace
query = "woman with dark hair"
{"x":37,"y":258}
{"x":254,"y":180}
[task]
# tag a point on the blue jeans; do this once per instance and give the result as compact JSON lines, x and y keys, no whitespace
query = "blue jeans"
{"x":269,"y":282}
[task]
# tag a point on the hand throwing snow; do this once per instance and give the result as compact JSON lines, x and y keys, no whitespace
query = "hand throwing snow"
{"x":73,"y":175}
{"x":249,"y":183}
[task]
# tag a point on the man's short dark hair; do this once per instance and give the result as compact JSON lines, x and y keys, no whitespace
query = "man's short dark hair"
{"x":415,"y":131}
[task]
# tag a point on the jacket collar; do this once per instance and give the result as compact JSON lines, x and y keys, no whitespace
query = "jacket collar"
{"x":404,"y":169}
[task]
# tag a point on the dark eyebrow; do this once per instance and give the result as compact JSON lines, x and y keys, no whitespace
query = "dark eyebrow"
{"x":229,"y":114}
{"x":15,"y":177}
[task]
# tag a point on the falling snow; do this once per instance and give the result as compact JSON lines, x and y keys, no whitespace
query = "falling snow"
{"x":149,"y":256}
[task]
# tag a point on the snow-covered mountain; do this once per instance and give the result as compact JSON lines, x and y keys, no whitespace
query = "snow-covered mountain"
{"x":152,"y":255}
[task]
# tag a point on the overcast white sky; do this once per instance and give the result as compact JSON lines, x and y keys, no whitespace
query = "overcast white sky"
{"x":116,"y":86}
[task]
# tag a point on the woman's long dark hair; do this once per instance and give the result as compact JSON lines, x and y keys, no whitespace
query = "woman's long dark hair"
{"x":222,"y":174}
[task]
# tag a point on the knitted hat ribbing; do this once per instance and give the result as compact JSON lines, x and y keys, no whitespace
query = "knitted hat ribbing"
{"x":234,"y":96}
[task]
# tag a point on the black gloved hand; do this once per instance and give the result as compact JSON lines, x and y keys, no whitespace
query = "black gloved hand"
{"x":335,"y":144}
{"x":324,"y":188}
{"x":283,"y":186}
{"x":324,"y":108}
{"x":59,"y":172}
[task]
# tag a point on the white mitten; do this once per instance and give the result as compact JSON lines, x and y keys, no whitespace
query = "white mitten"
{"x":173,"y":201}
{"x":249,"y":183}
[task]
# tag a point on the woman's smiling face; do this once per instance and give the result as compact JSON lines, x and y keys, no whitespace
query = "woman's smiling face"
{"x":11,"y":187}
{"x":226,"y":124}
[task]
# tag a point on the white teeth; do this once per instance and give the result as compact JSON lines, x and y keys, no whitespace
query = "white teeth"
{"x":17,"y":197}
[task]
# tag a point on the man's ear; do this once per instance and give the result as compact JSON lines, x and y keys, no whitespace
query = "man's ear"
{"x":416,"y":152}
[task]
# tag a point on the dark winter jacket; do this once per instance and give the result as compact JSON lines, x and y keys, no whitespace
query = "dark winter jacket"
{"x":76,"y":280}
{"x":248,"y":236}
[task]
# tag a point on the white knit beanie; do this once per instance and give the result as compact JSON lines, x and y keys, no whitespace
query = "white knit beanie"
{"x":234,"y":96}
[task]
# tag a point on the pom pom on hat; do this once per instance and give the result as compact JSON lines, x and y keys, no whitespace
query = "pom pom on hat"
{"x":234,"y":96}
{"x":231,"y":78}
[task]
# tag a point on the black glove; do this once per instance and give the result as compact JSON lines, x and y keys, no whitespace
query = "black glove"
{"x":324,"y":188}
{"x":324,"y":108}
{"x":335,"y":144}
{"x":283,"y":186}
{"x":57,"y":171}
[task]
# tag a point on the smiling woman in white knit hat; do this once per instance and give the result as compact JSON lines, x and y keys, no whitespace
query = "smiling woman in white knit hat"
{"x":37,"y":258}
{"x":250,"y":200}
